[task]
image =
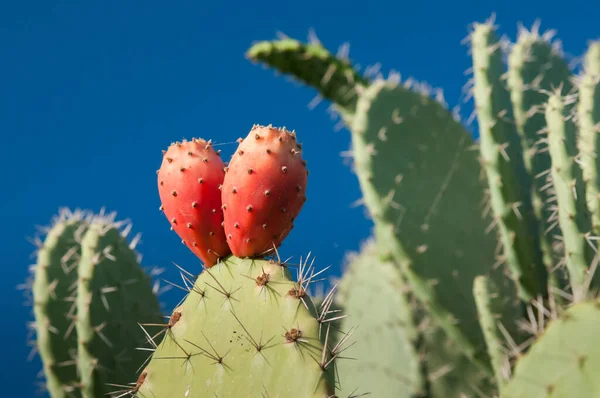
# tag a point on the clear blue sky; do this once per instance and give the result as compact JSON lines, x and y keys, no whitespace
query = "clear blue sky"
{"x":92,"y":91}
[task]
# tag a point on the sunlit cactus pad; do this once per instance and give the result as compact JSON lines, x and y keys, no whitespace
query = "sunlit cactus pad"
{"x":245,"y":329}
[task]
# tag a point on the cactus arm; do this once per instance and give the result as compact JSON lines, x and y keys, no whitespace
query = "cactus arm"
{"x":503,"y":162}
{"x":236,"y":335}
{"x":113,"y":295}
{"x":573,"y":215}
{"x":312,"y":64}
{"x":55,"y":276}
{"x":589,"y":126}
{"x":534,"y":66}
{"x":374,"y":297}
{"x":563,"y":361}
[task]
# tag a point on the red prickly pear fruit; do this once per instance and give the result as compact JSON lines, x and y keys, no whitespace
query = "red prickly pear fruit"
{"x":189,"y":183}
{"x":263,"y":192}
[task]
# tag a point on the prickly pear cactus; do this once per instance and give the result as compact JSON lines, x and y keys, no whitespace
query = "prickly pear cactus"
{"x":563,"y":361}
{"x":399,"y":350}
{"x":90,"y":293}
{"x":244,"y":329}
{"x":423,"y":191}
{"x":421,"y":181}
{"x":374,"y":298}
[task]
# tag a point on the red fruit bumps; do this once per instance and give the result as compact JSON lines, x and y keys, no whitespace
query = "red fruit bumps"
{"x":189,"y":182}
{"x":263,"y":191}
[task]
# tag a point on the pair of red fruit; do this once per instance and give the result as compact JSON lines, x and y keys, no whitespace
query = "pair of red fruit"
{"x":247,"y":208}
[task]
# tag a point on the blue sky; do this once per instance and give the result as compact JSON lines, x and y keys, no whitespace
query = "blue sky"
{"x":91,"y":92}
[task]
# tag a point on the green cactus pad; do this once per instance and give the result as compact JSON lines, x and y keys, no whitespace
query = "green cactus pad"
{"x":573,"y":214}
{"x":242,"y":331}
{"x":385,"y":361}
{"x":55,"y":278}
{"x":313,"y":65}
{"x":535,"y":66}
{"x":589,"y":126}
{"x":113,"y":296}
{"x":502,"y":157}
{"x":564,"y":360}
{"x":421,"y":182}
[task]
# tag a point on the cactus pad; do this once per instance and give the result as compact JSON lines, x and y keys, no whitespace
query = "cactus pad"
{"x":113,"y":296}
{"x":314,"y":65}
{"x":244,"y":329}
{"x":563,"y":362}
{"x":54,"y":279}
{"x":89,"y":295}
{"x":421,"y":180}
{"x":385,"y":359}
